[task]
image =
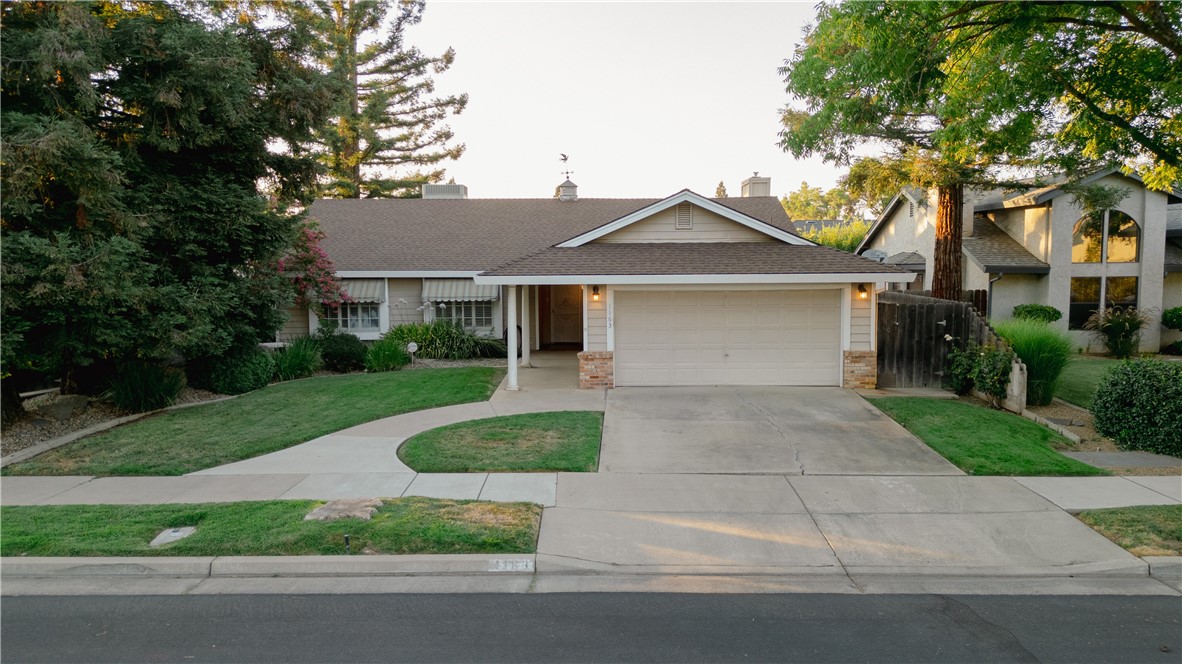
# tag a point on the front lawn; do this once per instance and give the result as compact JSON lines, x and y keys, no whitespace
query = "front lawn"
{"x":1151,"y":530}
{"x":270,"y":528}
{"x":982,"y":441}
{"x":566,"y":441}
{"x":1079,"y":380}
{"x":270,"y":419}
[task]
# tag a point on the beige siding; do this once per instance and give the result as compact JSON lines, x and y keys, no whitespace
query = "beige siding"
{"x":707,"y":227}
{"x":296,"y":325}
{"x":861,"y":332}
{"x":596,"y":319}
{"x":406,"y":296}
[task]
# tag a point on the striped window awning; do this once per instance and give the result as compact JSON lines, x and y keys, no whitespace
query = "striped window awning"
{"x":458,"y":290}
{"x":365,"y":290}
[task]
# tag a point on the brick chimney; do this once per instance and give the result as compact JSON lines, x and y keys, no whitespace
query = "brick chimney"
{"x":757,"y":186}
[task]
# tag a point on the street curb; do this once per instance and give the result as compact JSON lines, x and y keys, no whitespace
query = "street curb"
{"x":1062,"y":430}
{"x":1165,"y":567}
{"x":272,"y":566}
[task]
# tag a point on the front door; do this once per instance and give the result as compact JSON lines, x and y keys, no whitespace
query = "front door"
{"x":566,"y":314}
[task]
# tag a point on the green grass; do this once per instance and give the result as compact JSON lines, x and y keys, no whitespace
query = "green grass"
{"x":1152,"y":530}
{"x":1078,"y":383}
{"x":982,"y":441}
{"x":272,"y":528}
{"x":566,"y":441}
{"x":270,"y":419}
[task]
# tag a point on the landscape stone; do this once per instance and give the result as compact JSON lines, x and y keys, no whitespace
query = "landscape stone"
{"x":172,"y":535}
{"x":345,"y":508}
{"x":64,"y":407}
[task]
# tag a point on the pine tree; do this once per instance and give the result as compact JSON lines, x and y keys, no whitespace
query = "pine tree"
{"x":720,"y":190}
{"x":388,"y":135}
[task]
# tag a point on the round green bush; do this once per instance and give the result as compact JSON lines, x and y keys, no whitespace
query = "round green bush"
{"x":342,"y":352}
{"x":1139,"y":405}
{"x":236,"y":372}
{"x":386,"y":355}
{"x":1045,"y":352}
{"x":1039,"y":312}
{"x":1172,"y":318}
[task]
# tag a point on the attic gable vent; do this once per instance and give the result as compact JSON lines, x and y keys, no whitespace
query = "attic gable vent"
{"x":685,"y":217}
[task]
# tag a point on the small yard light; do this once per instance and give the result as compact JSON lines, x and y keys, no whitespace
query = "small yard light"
{"x":595,"y":293}
{"x":862,"y":293}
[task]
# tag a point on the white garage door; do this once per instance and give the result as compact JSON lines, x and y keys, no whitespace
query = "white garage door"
{"x":770,"y":337}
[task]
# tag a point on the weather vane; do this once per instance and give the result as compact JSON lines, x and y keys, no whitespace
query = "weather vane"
{"x":563,"y":158}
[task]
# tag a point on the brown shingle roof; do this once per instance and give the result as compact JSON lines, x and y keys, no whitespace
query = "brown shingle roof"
{"x":695,"y":258}
{"x":993,"y":250}
{"x":472,"y":235}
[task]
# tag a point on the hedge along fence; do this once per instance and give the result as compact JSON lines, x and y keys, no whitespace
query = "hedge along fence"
{"x":917,"y":335}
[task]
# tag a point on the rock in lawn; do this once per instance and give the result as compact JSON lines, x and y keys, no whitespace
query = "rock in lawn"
{"x":171,"y":535}
{"x":64,"y":407}
{"x":345,"y":508}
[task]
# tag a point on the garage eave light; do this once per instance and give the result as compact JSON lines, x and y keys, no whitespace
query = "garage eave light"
{"x":862,"y":293}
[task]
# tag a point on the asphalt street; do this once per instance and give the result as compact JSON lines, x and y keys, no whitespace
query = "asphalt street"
{"x":616,"y":627}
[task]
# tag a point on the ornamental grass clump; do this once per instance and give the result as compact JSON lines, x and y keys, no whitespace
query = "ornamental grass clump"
{"x":446,"y":340}
{"x":1045,"y":352}
{"x":140,"y":386}
{"x":1139,"y":405}
{"x":1038,"y":312}
{"x":300,"y":359}
{"x":1119,"y":329}
{"x":386,"y":355}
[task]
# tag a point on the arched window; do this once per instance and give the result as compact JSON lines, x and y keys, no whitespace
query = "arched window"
{"x":1106,"y":237}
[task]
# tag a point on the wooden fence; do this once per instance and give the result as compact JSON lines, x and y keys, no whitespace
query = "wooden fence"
{"x":978,"y":298}
{"x":916,"y":333}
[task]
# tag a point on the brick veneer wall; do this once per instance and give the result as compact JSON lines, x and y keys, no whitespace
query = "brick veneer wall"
{"x":860,"y":369}
{"x":596,"y":369}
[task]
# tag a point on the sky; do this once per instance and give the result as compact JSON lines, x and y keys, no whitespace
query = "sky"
{"x":646,"y":98}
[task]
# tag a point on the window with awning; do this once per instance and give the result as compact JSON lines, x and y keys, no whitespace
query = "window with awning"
{"x":458,"y":290}
{"x":365,"y":290}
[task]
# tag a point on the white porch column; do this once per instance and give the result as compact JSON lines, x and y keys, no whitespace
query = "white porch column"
{"x":525,"y":335}
{"x":511,"y":322}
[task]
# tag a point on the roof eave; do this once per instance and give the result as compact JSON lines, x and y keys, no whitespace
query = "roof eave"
{"x":670,"y":279}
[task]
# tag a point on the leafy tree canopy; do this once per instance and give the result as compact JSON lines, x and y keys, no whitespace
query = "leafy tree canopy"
{"x":816,"y":203}
{"x":136,"y":138}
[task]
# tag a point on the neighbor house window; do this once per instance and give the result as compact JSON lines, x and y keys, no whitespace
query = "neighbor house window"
{"x":1106,"y":237}
{"x":355,"y":317}
{"x":472,"y":316}
{"x":1088,"y":292}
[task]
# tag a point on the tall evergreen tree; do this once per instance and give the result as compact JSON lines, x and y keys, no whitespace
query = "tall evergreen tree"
{"x":720,"y":190}
{"x":388,"y":136}
{"x":135,"y":138}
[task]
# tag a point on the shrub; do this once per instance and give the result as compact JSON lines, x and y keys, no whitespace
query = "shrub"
{"x":1044,"y":351}
{"x":300,"y":359}
{"x":386,"y":355}
{"x":1172,"y":318}
{"x":1173,"y":348}
{"x":140,"y":386}
{"x":342,"y":352}
{"x":445,"y":340}
{"x":236,"y":372}
{"x":987,"y":369}
{"x":1119,"y":329}
{"x":845,"y":237}
{"x":1039,"y":312}
{"x":1139,"y":405}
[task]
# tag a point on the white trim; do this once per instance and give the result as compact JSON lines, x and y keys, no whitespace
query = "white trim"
{"x":809,"y":278}
{"x":611,"y":318}
{"x":405,"y":274}
{"x":687,"y":196}
{"x":586,"y":332}
{"x":846,"y":317}
{"x":525,"y":326}
{"x":874,"y":317}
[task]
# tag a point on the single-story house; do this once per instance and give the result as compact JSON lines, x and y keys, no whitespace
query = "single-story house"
{"x":1037,"y":247}
{"x":683,"y":290}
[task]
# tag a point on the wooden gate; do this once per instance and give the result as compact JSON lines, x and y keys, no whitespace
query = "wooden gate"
{"x":916,"y":333}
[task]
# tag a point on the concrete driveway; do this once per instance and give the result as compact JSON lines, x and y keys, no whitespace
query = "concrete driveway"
{"x":757,"y":430}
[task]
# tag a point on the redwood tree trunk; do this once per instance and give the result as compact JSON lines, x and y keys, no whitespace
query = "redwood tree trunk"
{"x":946,"y":279}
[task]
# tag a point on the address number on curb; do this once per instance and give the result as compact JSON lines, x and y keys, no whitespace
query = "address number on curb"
{"x":511,"y":565}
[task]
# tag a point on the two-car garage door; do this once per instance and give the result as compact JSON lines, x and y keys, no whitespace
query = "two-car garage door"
{"x":762,"y":337}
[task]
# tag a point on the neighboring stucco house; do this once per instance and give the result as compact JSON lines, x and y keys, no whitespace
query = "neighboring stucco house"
{"x":1036,"y":247}
{"x":684,"y":290}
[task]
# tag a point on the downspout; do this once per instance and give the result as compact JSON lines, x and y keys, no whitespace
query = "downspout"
{"x":989,"y":305}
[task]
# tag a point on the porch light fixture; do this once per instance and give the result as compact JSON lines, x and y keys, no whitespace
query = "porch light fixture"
{"x":595,"y":293}
{"x":862,"y":294}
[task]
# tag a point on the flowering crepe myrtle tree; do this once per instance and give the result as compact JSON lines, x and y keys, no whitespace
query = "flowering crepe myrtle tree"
{"x":312,"y":273}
